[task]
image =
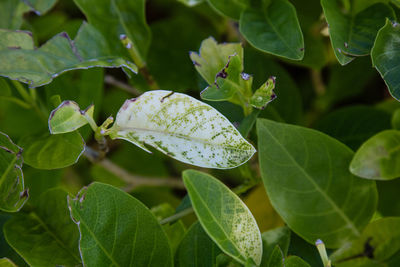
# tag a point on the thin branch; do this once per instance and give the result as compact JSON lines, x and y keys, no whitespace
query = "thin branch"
{"x":319,"y":86}
{"x":108,"y":79}
{"x":177,"y":216}
{"x":133,"y":181}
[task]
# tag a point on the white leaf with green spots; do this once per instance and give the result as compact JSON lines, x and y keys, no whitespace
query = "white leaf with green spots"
{"x":224,"y":217}
{"x":183,"y":128}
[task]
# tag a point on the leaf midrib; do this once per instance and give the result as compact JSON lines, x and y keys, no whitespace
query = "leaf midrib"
{"x":318,"y":188}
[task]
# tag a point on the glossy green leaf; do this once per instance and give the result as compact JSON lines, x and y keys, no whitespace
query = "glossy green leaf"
{"x":12,"y":192}
{"x":378,"y":158}
{"x":276,"y":258}
{"x":277,"y":237}
{"x":273,"y":28}
{"x":46,"y":235}
{"x":302,"y":164}
{"x":338,"y":27}
{"x":385,"y":56}
{"x":196,"y":249}
{"x":52,"y":151}
{"x":355,"y":34}
{"x":378,"y":242}
{"x":11,"y":13}
{"x":264,"y":95}
{"x":191,"y":2}
{"x":231,"y":9}
{"x":4,"y":262}
{"x":116,"y":229}
{"x":68,"y":117}
{"x":224,"y":217}
{"x":38,"y":66}
{"x":183,"y":128}
{"x":294,"y":261}
{"x":40,"y":6}
{"x":123,"y":17}
{"x":212,"y":58}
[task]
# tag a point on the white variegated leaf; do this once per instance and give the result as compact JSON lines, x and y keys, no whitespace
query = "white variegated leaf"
{"x":183,"y":128}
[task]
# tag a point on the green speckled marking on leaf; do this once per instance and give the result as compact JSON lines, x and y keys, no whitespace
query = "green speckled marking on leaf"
{"x":183,"y":128}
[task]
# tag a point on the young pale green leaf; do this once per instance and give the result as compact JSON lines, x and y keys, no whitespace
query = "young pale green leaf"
{"x":228,"y":82}
{"x":45,"y":236}
{"x":196,"y":249}
{"x":273,"y":28}
{"x":229,"y":8}
{"x":4,"y":262}
{"x":123,"y":17}
{"x":116,"y":229}
{"x":306,"y":176}
{"x":68,"y":117}
{"x":354,"y":34}
{"x":378,"y":158}
{"x":264,"y":95}
{"x":224,"y":217}
{"x":294,"y":261}
{"x":212,"y":58}
{"x":12,"y":192}
{"x":379,"y":241}
{"x":52,"y":151}
{"x":40,"y":6}
{"x":183,"y":128}
{"x":20,"y":60}
{"x":272,"y":238}
{"x":386,"y":56}
{"x":338,"y":24}
{"x":11,"y":14}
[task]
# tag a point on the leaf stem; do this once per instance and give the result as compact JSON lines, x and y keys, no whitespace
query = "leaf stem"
{"x":108,"y":79}
{"x":322,"y":253}
{"x":177,"y":216}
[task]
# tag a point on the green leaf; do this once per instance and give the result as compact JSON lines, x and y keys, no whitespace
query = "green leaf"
{"x":4,"y":262}
{"x":40,"y":6}
{"x":354,"y":35}
{"x":229,"y":8}
{"x":116,"y":229}
{"x":191,"y":2}
{"x":294,"y":261}
{"x":11,"y":13}
{"x":277,"y":237}
{"x":38,"y":66}
{"x":196,"y":249}
{"x":274,"y":28}
{"x":46,"y":235}
{"x":378,"y":242}
{"x":276,"y":258}
{"x":52,"y":151}
{"x":338,"y":27}
{"x":183,"y":128}
{"x":123,"y":17}
{"x":212,"y":58}
{"x":386,"y":56}
{"x":395,"y":121}
{"x":308,"y":252}
{"x":12,"y":192}
{"x":300,"y":164}
{"x":224,"y":217}
{"x":378,"y":158}
{"x":264,"y":95}
{"x":68,"y":117}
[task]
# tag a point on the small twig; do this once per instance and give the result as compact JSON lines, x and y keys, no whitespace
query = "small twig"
{"x":177,"y":216}
{"x":133,"y":181}
{"x":317,"y":82}
{"x":108,"y":79}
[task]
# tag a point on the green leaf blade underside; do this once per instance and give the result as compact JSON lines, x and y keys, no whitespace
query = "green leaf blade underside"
{"x":52,"y":151}
{"x":183,"y":128}
{"x":45,"y":236}
{"x":123,"y":17}
{"x":379,"y":157}
{"x":19,"y":60}
{"x":229,"y":8}
{"x":196,"y":249}
{"x":306,"y":176}
{"x":274,"y":28}
{"x":12,"y":191}
{"x":382,"y":235}
{"x":213,"y":57}
{"x":68,"y":117}
{"x":338,"y":24}
{"x":224,"y":217}
{"x":385,"y":56}
{"x":118,"y":230}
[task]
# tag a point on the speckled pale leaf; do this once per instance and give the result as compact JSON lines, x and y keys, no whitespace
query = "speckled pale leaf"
{"x":229,"y":81}
{"x":68,"y":117}
{"x":12,"y":192}
{"x":224,"y":217}
{"x":213,"y":57}
{"x":264,"y":95}
{"x":183,"y":128}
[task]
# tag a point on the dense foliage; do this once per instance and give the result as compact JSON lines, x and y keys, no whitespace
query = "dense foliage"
{"x":200,"y":133}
